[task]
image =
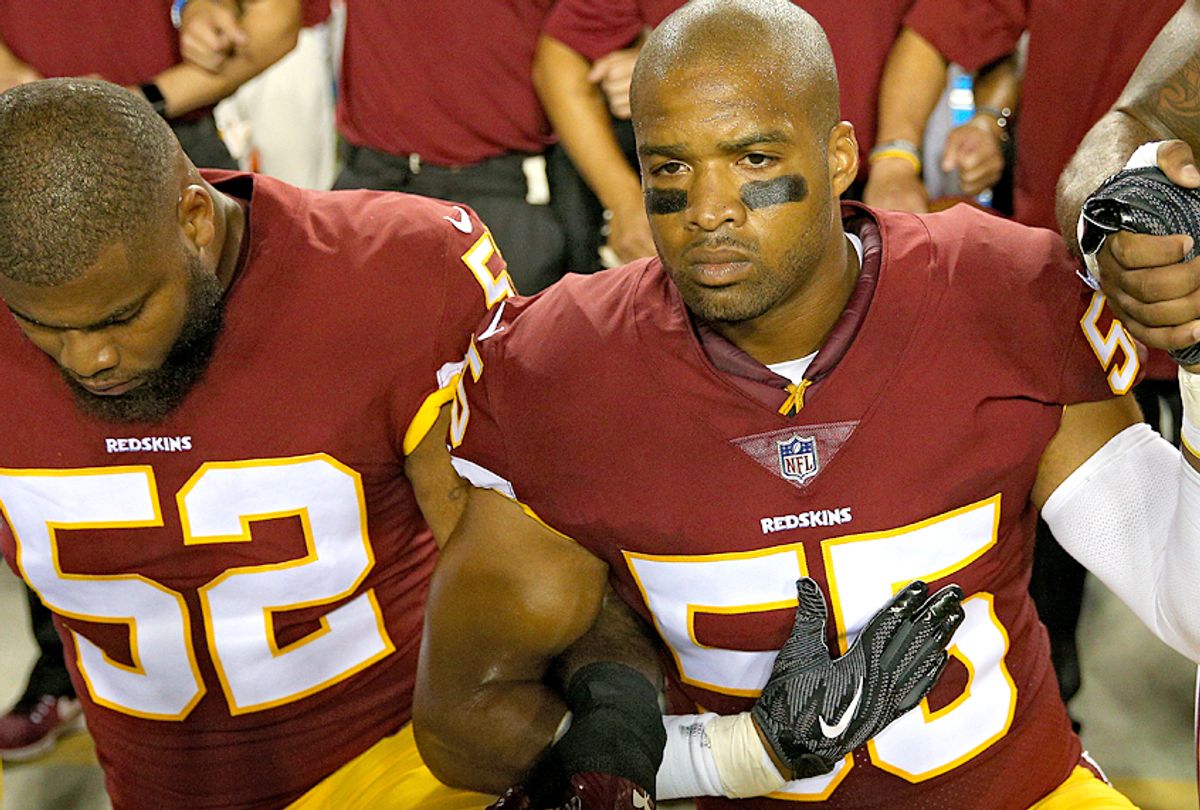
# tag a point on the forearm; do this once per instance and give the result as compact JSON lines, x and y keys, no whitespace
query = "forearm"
{"x":1161,"y":101}
{"x":912,"y":83}
{"x":997,"y":89}
{"x":579,"y":114}
{"x":1131,"y":514}
{"x":271,"y":28}
{"x":1102,"y":153}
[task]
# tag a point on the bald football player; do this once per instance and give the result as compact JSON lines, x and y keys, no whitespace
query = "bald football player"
{"x":792,"y":388}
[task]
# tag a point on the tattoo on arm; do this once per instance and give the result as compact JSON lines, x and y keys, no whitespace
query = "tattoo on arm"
{"x":1179,"y":101}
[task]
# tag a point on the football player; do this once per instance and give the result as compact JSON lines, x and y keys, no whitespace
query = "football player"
{"x":794,"y":388}
{"x":221,"y":425}
{"x":1148,"y":273}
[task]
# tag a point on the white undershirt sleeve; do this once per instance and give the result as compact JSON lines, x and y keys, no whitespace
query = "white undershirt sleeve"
{"x":1131,"y":515}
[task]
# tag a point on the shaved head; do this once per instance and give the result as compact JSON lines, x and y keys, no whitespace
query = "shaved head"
{"x":774,"y":39}
{"x":84,"y":164}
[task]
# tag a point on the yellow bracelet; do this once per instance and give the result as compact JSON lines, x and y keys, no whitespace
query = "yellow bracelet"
{"x":882,"y":154}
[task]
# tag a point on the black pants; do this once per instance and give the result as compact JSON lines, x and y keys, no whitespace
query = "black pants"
{"x":49,"y":675}
{"x":202,"y":143}
{"x":529,"y":236}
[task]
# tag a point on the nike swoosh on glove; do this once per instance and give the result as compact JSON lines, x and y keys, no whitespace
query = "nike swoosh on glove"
{"x":814,"y":710}
{"x":1143,"y":201}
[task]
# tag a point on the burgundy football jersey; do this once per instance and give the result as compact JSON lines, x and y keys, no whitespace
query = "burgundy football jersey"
{"x":240,"y":586}
{"x":600,"y":407}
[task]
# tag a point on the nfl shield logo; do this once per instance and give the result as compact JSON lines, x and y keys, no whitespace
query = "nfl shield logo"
{"x":798,"y":458}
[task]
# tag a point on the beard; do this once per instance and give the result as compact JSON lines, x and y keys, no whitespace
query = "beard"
{"x":747,"y":300}
{"x":185,"y":364}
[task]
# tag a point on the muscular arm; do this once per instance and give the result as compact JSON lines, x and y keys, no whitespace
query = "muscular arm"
{"x":508,"y":596}
{"x":577,"y":109}
{"x":1161,"y":101}
{"x":1120,"y":500}
{"x":270,"y":27}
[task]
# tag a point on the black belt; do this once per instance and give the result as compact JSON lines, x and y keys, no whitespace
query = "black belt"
{"x":503,"y":175}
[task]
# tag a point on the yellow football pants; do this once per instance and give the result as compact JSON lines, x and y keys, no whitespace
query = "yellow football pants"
{"x":1083,"y":790}
{"x":388,"y":776}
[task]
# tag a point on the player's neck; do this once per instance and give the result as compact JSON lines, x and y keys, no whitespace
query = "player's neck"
{"x":799,"y":325}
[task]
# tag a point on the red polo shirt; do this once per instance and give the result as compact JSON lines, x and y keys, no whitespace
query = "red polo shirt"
{"x":448,"y":80}
{"x":126,"y":45}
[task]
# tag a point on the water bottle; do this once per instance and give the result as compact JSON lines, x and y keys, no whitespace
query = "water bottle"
{"x":961,"y":100}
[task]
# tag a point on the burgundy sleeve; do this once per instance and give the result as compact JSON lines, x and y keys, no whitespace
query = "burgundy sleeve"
{"x":476,"y":281}
{"x":971,"y":33}
{"x":594,"y":28}
{"x":1040,"y":333}
{"x":479,"y":431}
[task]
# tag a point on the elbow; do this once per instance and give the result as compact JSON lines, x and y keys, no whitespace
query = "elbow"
{"x":440,"y":755}
{"x":446,"y":739}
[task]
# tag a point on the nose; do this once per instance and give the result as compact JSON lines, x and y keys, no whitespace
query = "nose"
{"x":87,"y":354}
{"x":715,"y":200}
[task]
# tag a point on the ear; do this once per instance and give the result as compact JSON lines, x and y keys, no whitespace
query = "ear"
{"x":196,"y":214}
{"x":842,"y":152}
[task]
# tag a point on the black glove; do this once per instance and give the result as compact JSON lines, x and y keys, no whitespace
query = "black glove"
{"x":814,"y":710}
{"x":609,"y":758}
{"x":1143,"y":201}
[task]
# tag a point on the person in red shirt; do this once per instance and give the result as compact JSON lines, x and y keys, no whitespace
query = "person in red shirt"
{"x":1065,"y":89}
{"x":435,"y":98}
{"x":138,"y":48}
{"x":792,"y":388}
{"x":578,"y":34}
{"x":1141,"y":272}
{"x":221,"y":461}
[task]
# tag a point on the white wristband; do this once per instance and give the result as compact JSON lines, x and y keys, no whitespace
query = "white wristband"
{"x":1189,"y":392}
{"x":715,"y":755}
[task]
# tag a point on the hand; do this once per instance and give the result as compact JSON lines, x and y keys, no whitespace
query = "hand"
{"x":1178,"y":164}
{"x":14,"y":72}
{"x":613,"y":72}
{"x":1151,"y":289}
{"x":973,"y":150}
{"x":585,"y":791}
{"x":210,"y":34}
{"x":629,"y":232}
{"x":894,"y":183}
{"x":609,"y":757}
{"x":813,"y":710}
{"x":1153,"y":281}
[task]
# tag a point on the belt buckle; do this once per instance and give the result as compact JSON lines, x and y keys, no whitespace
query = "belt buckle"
{"x":414,"y":163}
